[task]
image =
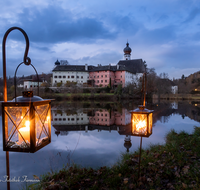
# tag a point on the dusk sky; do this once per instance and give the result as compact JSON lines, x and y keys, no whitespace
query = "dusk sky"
{"x":166,"y":34}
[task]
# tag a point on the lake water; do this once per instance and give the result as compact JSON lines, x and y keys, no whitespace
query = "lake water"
{"x":95,"y":135}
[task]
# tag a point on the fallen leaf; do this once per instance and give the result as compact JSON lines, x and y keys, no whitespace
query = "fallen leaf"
{"x":131,"y":186}
{"x":125,"y":180}
{"x":177,"y":174}
{"x":149,"y":179}
{"x":35,"y":177}
{"x":185,"y":169}
{"x":184,"y":185}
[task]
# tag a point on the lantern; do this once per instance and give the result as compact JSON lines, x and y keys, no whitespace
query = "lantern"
{"x":26,"y":123}
{"x":141,"y":121}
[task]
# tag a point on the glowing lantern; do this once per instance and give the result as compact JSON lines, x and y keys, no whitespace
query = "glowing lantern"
{"x":26,"y":123}
{"x":141,"y":121}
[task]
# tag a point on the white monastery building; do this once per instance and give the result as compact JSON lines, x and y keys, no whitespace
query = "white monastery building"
{"x":124,"y":72}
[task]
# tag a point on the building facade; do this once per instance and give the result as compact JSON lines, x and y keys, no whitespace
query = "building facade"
{"x":126,"y":72}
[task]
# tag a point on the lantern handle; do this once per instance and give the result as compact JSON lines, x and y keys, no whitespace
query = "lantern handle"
{"x":16,"y":82}
{"x":27,"y":60}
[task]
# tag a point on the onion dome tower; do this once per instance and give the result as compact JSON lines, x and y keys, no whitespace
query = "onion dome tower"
{"x":127,"y":52}
{"x":127,"y":142}
{"x":57,"y":63}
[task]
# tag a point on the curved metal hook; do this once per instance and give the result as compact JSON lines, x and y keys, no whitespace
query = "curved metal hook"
{"x":27,"y":60}
{"x":15,"y":82}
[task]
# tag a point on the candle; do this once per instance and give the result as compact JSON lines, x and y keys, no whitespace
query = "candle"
{"x":25,"y":132}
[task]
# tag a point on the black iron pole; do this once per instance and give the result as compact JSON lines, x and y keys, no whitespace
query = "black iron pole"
{"x":27,"y":61}
{"x":140,"y":157}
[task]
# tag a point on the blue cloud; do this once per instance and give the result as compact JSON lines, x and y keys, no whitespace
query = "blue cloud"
{"x":54,"y":25}
{"x":192,"y":15}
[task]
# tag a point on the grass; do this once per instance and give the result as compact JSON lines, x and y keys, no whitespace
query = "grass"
{"x":175,"y":165}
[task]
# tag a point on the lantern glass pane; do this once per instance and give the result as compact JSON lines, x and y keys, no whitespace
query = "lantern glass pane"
{"x":42,"y":122}
{"x":18,"y":127}
{"x":139,"y":124}
{"x":150,"y":122}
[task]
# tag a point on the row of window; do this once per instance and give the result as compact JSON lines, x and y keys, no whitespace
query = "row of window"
{"x":67,"y":77}
{"x":101,"y":81}
{"x":98,"y":76}
{"x":64,"y":119}
{"x":101,"y":114}
{"x":71,"y":81}
{"x":101,"y":119}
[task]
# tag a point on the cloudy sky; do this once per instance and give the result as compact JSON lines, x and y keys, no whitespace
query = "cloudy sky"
{"x":166,"y":34}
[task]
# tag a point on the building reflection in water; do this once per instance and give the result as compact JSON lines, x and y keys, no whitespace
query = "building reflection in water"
{"x":86,"y":120}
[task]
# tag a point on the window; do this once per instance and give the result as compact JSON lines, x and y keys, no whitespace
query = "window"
{"x":101,"y":76}
{"x":64,"y":76}
{"x":98,"y":76}
{"x":97,"y":81}
{"x":77,"y":77}
{"x":101,"y":114}
{"x":121,"y":81}
{"x":105,"y":75}
{"x":64,"y":119}
{"x":72,"y":119}
{"x":105,"y":71}
{"x":68,"y":77}
{"x":68,"y":119}
{"x":105,"y":80}
{"x":101,"y":119}
{"x":60,"y":119}
{"x":55,"y":119}
{"x":59,"y":77}
{"x":106,"y":114}
{"x":55,"y":81}
{"x":121,"y":76}
{"x":101,"y":80}
{"x":105,"y":119}
{"x":94,"y":76}
{"x":81,"y":118}
{"x":82,"y":77}
{"x":97,"y":114}
{"x":55,"y":76}
{"x":77,"y":119}
{"x":72,"y":76}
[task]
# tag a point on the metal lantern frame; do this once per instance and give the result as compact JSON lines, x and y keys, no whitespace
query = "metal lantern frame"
{"x":29,"y":103}
{"x":147,"y":117}
{"x":45,"y":128}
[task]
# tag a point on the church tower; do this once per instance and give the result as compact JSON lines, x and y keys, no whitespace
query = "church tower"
{"x":127,"y":52}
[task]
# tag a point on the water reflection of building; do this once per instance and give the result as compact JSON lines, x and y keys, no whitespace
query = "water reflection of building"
{"x":108,"y":120}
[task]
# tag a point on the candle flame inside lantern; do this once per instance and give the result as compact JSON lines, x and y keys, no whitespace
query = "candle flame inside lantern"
{"x":47,"y":119}
{"x":141,"y":126}
{"x":25,"y":132}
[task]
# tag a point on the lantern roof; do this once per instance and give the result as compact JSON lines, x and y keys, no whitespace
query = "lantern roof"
{"x":27,"y":97}
{"x":141,"y":109}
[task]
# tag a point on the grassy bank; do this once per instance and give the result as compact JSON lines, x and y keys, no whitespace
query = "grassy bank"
{"x":175,"y":165}
{"x":86,"y":96}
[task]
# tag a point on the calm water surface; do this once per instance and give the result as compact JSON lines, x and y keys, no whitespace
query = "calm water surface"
{"x":94,"y":136}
